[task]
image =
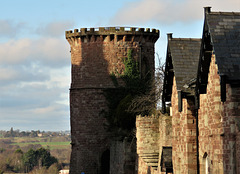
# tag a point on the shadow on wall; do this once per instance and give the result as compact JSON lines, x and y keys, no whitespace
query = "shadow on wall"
{"x":89,"y":76}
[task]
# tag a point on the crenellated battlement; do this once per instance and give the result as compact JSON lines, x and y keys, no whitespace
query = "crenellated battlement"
{"x":152,"y":34}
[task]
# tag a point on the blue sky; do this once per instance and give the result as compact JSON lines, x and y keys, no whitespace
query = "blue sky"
{"x":35,"y":59}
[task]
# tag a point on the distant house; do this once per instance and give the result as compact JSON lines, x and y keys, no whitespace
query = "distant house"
{"x":64,"y":171}
{"x":39,"y":134}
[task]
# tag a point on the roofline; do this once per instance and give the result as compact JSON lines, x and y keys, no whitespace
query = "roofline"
{"x":170,"y":38}
{"x":206,"y":27}
{"x":185,"y":39}
{"x":168,"y":57}
{"x":207,"y":10}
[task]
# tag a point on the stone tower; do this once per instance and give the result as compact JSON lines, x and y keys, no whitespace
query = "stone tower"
{"x":95,"y":54}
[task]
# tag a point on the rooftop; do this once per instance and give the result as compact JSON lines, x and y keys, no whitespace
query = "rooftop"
{"x":181,"y":62}
{"x":224,"y":29}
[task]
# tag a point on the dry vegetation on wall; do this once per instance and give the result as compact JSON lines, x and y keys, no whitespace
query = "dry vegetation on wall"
{"x":151,"y":99}
{"x":139,"y":96}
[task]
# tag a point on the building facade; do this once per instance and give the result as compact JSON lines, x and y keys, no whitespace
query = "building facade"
{"x":181,"y":71}
{"x":217,"y":93}
{"x":202,"y":90}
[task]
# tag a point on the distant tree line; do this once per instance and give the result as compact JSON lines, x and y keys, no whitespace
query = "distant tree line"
{"x":32,"y":133}
{"x":33,"y":160}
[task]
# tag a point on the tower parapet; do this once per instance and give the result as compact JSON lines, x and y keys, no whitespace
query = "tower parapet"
{"x":113,"y":33}
{"x":118,"y":31}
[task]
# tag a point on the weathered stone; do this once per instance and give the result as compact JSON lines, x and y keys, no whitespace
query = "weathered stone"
{"x":95,"y":54}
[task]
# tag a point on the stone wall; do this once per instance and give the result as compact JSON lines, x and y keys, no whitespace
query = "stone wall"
{"x":123,"y":156}
{"x":165,"y":130}
{"x":231,"y":126}
{"x":184,"y":135}
{"x":143,"y":168}
{"x":86,"y":138}
{"x":165,"y":136}
{"x":218,"y":126}
{"x":210,"y":117}
{"x":153,"y":133}
{"x":95,"y":55}
{"x":238,"y":147}
{"x":147,"y":143}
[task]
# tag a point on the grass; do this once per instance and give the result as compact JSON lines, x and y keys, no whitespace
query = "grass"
{"x":46,"y":142}
{"x":50,"y":145}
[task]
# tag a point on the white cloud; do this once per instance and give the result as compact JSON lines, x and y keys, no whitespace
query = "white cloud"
{"x":44,"y":110}
{"x":17,"y":73}
{"x":52,"y":50}
{"x":57,"y":118}
{"x":5,"y":74}
{"x":55,"y":29}
{"x":9,"y":28}
{"x":169,"y":12}
{"x":60,"y":77}
{"x":39,"y":104}
{"x":34,"y":83}
{"x":47,"y":51}
{"x":15,"y":51}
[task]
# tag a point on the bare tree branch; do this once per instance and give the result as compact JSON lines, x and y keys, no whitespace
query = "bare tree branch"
{"x":147,"y":103}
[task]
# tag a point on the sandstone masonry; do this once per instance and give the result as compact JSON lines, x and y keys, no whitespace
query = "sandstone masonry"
{"x":95,"y":54}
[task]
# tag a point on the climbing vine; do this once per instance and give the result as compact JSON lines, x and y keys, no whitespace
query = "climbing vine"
{"x":121,"y":120}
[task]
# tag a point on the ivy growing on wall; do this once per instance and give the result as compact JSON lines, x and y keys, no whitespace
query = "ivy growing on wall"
{"x":121,"y":120}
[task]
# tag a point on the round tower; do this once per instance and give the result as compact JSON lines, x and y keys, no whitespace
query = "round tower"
{"x":96,"y":53}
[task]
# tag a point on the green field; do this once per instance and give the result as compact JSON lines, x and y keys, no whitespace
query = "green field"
{"x":50,"y":145}
{"x":46,"y":142}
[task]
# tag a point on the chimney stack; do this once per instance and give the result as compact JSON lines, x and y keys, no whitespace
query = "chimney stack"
{"x":207,"y":10}
{"x":169,"y":35}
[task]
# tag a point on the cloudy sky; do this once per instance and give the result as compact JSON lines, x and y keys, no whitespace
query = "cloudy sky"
{"x":34,"y":55}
